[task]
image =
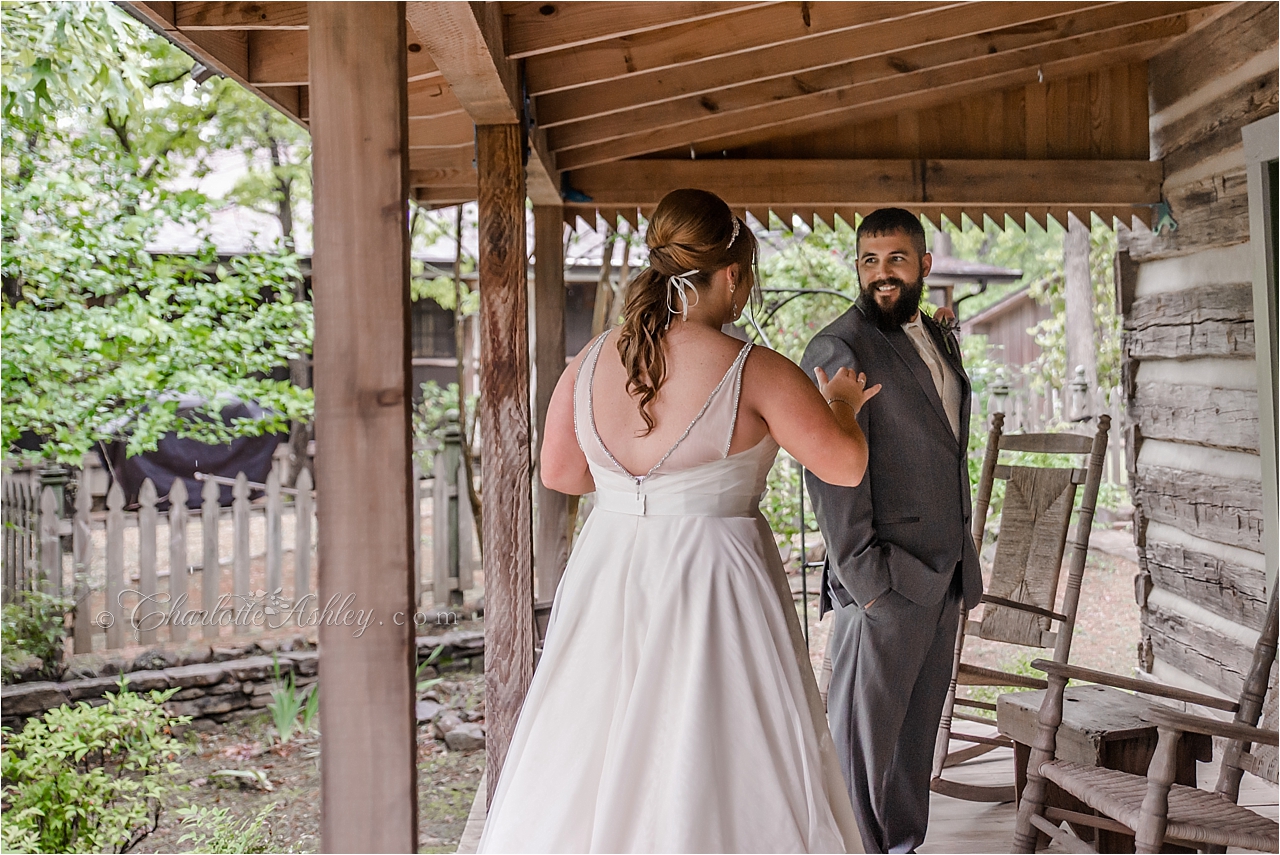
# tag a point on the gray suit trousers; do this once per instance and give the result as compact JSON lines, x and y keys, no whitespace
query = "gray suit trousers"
{"x":888,"y":683}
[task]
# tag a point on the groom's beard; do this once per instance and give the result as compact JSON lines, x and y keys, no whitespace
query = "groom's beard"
{"x":900,"y":310}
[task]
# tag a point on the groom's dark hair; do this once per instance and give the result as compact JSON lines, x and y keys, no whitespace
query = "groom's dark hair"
{"x":889,"y":220}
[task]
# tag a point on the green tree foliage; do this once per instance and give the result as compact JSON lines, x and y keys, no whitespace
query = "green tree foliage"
{"x":102,"y":128}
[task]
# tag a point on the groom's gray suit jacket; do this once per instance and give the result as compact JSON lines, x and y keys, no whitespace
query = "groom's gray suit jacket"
{"x":906,"y":526}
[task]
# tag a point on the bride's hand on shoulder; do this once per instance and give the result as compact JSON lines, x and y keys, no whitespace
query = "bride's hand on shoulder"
{"x":824,"y":438}
{"x":846,"y":387}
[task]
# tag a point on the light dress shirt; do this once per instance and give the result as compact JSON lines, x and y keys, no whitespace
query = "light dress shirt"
{"x":944,"y":379}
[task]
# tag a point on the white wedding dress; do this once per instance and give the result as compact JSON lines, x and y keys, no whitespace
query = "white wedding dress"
{"x":674,"y":708}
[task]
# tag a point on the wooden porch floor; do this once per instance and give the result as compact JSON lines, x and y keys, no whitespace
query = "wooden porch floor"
{"x":957,"y":826}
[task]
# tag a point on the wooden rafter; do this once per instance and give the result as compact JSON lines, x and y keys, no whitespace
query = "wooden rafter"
{"x":279,"y":57}
{"x":717,"y":85}
{"x":429,"y":99}
{"x":797,"y":184}
{"x":534,"y":28}
{"x":892,"y":94}
{"x":224,"y":52}
{"x":442,"y":158}
{"x":240,"y":16}
{"x":677,"y":46}
{"x":465,"y":41}
{"x":448,"y":130}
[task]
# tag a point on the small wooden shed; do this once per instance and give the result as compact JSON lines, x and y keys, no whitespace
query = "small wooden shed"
{"x":1007,"y":326}
{"x":813,"y":109}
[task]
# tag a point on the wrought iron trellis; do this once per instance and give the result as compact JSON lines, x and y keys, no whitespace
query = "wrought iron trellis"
{"x":767,"y":313}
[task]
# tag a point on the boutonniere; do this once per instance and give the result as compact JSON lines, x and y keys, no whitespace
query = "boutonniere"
{"x":946,"y":321}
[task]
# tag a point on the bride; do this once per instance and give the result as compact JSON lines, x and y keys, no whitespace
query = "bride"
{"x":674,"y":708}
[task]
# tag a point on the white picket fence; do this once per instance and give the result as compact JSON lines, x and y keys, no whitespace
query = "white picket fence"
{"x":1029,"y":412}
{"x":126,"y":593}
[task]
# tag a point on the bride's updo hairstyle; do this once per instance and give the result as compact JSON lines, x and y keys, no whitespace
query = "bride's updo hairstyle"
{"x":691,"y":235}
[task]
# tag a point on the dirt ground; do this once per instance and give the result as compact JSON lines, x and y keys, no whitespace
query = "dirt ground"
{"x":447,"y":780}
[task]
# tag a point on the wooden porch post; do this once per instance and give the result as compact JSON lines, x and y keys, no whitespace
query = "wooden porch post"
{"x":551,"y":544}
{"x":504,"y":430}
{"x":359,"y":132}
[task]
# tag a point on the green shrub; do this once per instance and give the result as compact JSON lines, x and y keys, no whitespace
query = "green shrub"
{"x":1015,"y":663}
{"x":90,"y":779}
{"x":215,"y":830}
{"x":35,"y":625}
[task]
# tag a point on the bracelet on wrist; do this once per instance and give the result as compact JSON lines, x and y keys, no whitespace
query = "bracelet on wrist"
{"x":842,"y":401}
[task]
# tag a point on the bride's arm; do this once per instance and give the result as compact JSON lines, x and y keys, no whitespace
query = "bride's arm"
{"x":824,"y":437}
{"x":563,"y":465}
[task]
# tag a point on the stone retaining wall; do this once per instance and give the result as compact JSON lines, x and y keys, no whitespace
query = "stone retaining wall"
{"x":217,"y":683}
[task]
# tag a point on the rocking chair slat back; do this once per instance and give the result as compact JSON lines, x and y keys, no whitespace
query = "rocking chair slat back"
{"x":1028,"y":560}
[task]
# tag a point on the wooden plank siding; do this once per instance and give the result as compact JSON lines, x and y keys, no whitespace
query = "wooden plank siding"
{"x":1189,"y":369}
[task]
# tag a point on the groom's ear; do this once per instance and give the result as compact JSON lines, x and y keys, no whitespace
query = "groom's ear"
{"x":926,"y":264}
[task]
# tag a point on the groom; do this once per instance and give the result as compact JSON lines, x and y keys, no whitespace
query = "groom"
{"x":899,"y":557}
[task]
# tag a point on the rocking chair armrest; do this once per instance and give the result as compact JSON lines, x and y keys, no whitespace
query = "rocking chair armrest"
{"x":1075,"y":672}
{"x":1188,"y":723}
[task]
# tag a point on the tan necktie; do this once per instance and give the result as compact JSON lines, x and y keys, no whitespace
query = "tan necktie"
{"x":943,"y":380}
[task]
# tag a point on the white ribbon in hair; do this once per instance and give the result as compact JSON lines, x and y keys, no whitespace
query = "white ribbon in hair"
{"x":681,"y":286}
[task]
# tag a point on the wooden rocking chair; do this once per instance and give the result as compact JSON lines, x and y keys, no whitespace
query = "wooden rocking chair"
{"x":1019,"y":606}
{"x":1153,"y":808}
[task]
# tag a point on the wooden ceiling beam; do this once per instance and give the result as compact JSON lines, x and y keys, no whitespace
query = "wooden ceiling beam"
{"x":442,"y":158}
{"x":536,"y":28}
{"x":240,"y":16}
{"x":700,"y":89}
{"x":862,"y":72}
{"x":673,"y":47}
{"x":452,"y":131}
{"x":903,"y":91}
{"x":466,"y":43}
{"x":225,"y":52}
{"x":826,"y":183}
{"x":279,"y":58}
{"x":444,"y":179}
{"x":429,"y":99}
{"x":898,"y":104}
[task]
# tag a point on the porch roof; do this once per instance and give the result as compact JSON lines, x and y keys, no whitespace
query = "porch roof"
{"x":812,"y":109}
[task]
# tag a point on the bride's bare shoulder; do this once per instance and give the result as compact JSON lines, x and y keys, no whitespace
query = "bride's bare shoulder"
{"x":765,"y":365}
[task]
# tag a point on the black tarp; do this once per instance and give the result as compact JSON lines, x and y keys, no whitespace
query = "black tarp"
{"x":183,"y":458}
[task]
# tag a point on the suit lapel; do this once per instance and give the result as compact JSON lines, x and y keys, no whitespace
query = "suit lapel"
{"x":905,"y":349}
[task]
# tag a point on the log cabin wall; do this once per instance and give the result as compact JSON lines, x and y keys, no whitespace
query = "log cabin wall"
{"x":1190,"y":379}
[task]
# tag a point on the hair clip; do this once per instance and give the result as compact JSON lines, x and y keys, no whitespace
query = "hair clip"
{"x":737,"y":224}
